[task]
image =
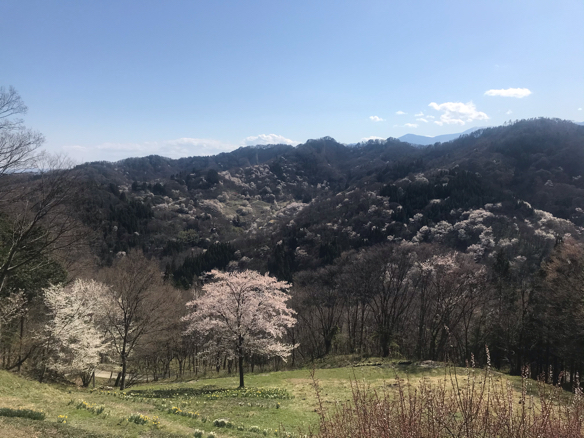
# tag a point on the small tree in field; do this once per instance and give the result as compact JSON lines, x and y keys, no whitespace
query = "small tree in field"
{"x":243,"y":314}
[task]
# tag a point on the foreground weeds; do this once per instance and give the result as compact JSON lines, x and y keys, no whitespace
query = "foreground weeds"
{"x":474,"y":404}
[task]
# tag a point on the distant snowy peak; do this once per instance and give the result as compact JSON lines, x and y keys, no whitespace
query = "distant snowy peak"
{"x":427,"y":140}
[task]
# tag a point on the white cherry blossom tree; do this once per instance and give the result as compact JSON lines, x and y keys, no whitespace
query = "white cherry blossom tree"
{"x":243,"y":314}
{"x":71,"y":338}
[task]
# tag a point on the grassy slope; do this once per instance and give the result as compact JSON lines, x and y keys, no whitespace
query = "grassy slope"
{"x":293,"y":415}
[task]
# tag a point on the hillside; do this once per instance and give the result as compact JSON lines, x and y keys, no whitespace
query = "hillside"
{"x":278,"y":404}
{"x":325,"y":198}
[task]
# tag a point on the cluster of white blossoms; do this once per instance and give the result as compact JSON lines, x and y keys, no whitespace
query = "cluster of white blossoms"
{"x":475,"y":227}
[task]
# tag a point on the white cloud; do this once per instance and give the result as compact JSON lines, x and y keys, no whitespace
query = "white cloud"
{"x":376,"y":118}
{"x":421,"y":119}
{"x":579,"y":109}
{"x":509,"y":92}
{"x":268,"y":139}
{"x":411,"y":125}
{"x":400,"y":113}
{"x":430,"y":117}
{"x":457,"y":113}
{"x":420,"y":114}
{"x":201,"y":146}
{"x":176,"y":148}
{"x":508,"y":112}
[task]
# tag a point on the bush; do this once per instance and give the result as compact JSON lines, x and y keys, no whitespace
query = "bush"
{"x":95,"y":409}
{"x":138,"y":418}
{"x":473,"y":405}
{"x":22,"y":413}
{"x":222,"y":423}
{"x":198,"y":433}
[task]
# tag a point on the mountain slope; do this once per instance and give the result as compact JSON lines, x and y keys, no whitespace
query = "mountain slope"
{"x":285,"y":209}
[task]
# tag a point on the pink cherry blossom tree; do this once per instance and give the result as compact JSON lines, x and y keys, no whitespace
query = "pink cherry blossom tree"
{"x":243,"y":314}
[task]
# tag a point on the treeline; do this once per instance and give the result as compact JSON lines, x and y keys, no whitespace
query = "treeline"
{"x":416,"y":302}
{"x":425,"y":302}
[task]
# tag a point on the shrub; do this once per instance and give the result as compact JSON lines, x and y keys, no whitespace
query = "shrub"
{"x":140,"y":419}
{"x":222,"y":423}
{"x":473,"y":405}
{"x":22,"y":413}
{"x":211,"y":434}
{"x":198,"y":433}
{"x":219,"y":422}
{"x":92,"y":408}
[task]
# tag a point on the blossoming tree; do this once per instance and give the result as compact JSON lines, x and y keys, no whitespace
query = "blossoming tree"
{"x":243,"y":314}
{"x":71,"y":338}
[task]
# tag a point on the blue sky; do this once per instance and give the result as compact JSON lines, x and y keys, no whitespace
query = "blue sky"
{"x":112,"y":79}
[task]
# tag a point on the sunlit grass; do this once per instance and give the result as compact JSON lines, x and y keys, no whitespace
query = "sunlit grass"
{"x":275,"y":404}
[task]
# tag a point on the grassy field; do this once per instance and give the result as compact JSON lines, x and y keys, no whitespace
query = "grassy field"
{"x":274,"y":404}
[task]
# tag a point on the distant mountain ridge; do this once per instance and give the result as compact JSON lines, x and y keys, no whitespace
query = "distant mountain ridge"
{"x":415,"y":139}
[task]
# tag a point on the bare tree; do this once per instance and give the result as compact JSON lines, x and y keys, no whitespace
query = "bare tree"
{"x":36,"y":193}
{"x":451,"y":296}
{"x":18,"y":144}
{"x":36,"y":219}
{"x":392,"y":291}
{"x":321,"y":303}
{"x":11,"y":307}
{"x":137,"y":305}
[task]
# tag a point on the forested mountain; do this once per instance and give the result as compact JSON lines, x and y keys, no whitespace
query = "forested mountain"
{"x":392,"y":249}
{"x":327,"y":198}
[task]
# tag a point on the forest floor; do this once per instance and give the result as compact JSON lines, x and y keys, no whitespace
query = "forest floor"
{"x":274,"y":404}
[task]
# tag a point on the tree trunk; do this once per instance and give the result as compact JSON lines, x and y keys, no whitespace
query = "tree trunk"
{"x":20,"y":342}
{"x":123,"y":380}
{"x":240,"y":355}
{"x":241,"y":371}
{"x":384,"y":341}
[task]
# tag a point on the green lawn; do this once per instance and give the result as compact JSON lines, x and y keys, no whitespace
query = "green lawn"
{"x":275,"y":404}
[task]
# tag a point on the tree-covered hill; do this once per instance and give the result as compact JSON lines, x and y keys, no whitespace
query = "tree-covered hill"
{"x":324,"y":197}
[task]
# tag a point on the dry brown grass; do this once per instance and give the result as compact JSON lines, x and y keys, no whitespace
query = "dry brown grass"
{"x":474,"y":404}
